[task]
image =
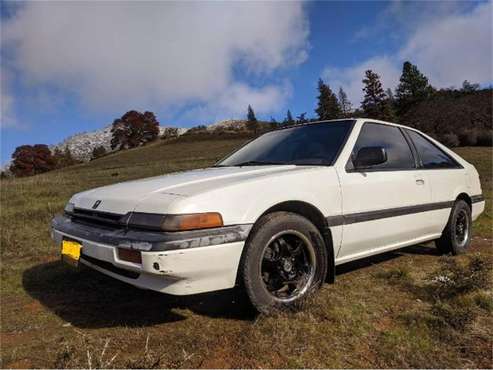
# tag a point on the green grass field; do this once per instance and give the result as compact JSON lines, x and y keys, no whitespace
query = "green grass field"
{"x":384,"y":311}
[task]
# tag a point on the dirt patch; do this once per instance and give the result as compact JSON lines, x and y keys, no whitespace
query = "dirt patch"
{"x":20,"y":364}
{"x":33,"y":307}
{"x":220,"y":357}
{"x":11,"y":339}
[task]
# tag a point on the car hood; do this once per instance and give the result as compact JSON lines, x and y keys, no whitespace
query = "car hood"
{"x":124,"y":197}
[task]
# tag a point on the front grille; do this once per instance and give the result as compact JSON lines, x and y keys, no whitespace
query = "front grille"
{"x":97,"y":218}
{"x":110,"y":267}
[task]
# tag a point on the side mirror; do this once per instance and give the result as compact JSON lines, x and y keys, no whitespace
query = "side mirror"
{"x":370,"y":156}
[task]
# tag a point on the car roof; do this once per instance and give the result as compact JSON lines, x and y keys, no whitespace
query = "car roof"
{"x":349,"y":120}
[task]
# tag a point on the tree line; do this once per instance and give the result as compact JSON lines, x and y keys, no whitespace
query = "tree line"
{"x":456,"y":117}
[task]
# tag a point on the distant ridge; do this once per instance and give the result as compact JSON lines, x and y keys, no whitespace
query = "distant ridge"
{"x":81,"y":145}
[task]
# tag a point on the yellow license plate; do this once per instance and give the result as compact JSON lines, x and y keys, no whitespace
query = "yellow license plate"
{"x":71,"y":252}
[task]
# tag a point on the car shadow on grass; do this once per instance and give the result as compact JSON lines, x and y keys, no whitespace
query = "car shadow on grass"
{"x":89,"y":299}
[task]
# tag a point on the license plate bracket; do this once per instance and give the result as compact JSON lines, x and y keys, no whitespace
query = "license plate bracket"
{"x":71,"y":251}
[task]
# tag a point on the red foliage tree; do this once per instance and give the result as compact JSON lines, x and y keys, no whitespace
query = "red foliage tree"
{"x":29,"y":160}
{"x":134,"y":129}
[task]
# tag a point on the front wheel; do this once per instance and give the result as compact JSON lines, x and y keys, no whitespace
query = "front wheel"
{"x":456,"y":236}
{"x":285,"y":260}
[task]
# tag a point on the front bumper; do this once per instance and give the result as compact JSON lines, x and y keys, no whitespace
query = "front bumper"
{"x":175,"y":263}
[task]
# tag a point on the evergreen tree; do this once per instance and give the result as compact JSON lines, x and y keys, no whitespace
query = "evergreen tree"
{"x":374,"y":98}
{"x":288,"y":121}
{"x":328,"y":106}
{"x":252,"y":123}
{"x":251,"y":114}
{"x":344,"y":103}
{"x":390,"y":96}
{"x":388,"y":111}
{"x":375,"y":102}
{"x":413,"y":88}
{"x":389,"y":107}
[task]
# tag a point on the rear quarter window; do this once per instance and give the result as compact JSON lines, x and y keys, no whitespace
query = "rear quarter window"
{"x":431,"y":156}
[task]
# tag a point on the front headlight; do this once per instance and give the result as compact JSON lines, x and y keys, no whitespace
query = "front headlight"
{"x":69,"y":207}
{"x":191,"y":221}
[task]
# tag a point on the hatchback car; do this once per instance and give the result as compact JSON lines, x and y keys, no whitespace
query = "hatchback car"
{"x":277,"y":215}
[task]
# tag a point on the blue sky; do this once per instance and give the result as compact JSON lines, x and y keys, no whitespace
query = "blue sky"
{"x":69,"y":67}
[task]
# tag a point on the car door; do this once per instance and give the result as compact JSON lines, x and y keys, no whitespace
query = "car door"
{"x":446,"y":178}
{"x":381,"y":204}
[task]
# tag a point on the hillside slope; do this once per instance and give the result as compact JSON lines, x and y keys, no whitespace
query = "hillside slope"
{"x":82,"y":144}
{"x":455,"y":118}
{"x":378,"y":314}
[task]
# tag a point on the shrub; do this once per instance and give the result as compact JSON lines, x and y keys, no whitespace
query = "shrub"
{"x":457,"y":314}
{"x":394,"y":276}
{"x":452,"y":278}
{"x":450,"y":140}
{"x":465,"y":114}
{"x":98,"y":152}
{"x":200,"y":129}
{"x":485,"y":138}
{"x":484,"y":301}
{"x":468,"y":138}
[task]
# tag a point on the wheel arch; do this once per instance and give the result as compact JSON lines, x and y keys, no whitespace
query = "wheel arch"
{"x":466,"y":198}
{"x":315,"y":216}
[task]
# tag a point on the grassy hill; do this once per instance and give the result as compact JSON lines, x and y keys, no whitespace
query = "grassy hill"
{"x":382,"y":311}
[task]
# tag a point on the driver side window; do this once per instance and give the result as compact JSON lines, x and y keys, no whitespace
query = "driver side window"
{"x":399,"y":155}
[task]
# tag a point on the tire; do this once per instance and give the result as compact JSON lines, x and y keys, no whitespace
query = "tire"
{"x":456,"y":239}
{"x":285,"y":260}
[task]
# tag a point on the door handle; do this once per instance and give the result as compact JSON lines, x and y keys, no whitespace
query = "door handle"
{"x":420,"y":182}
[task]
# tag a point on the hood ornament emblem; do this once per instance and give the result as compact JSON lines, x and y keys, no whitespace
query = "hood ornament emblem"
{"x":96,"y":204}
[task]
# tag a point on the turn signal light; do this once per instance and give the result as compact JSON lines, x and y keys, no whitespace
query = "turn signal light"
{"x":192,"y":221}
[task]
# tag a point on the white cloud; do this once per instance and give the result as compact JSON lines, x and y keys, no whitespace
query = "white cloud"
{"x":447,"y":47}
{"x":117,"y":55}
{"x":232,"y":102}
{"x":7,"y":116}
{"x":455,"y":48}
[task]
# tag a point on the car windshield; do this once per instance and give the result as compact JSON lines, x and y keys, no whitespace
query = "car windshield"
{"x":313,"y":144}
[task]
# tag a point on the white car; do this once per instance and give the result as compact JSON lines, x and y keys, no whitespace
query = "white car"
{"x":277,"y":215}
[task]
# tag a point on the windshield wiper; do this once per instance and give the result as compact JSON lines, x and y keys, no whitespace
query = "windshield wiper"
{"x":259,"y":163}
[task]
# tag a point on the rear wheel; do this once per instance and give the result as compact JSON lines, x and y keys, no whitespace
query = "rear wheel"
{"x":285,"y":260}
{"x":456,"y":237}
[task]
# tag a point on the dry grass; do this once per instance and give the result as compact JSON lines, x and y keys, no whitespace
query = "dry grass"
{"x":382,"y":312}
